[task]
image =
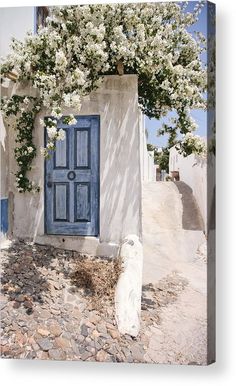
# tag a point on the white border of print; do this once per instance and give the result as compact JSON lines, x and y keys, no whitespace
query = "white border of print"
{"x":22,"y":372}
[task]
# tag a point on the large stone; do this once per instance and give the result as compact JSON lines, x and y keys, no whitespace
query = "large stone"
{"x":95,"y":334}
{"x":55,"y":329}
{"x":43,"y":332}
{"x":76,"y":313}
{"x":44,"y":314}
{"x":84,"y":330}
{"x":62,"y":343}
{"x":102,"y":328}
{"x":57,"y":354}
{"x":45,"y":344}
{"x":102,"y":356}
{"x":80,"y":338}
{"x":112,"y":350}
{"x":42,"y":355}
{"x":16,"y":305}
{"x":137,"y":352}
{"x":85,"y":355}
{"x":75,"y":347}
{"x":114,"y":334}
{"x":94,"y":318}
{"x":20,"y":298}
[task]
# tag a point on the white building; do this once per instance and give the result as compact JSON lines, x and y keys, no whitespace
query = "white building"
{"x":90,"y":196}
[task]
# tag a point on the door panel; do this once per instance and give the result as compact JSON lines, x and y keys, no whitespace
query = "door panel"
{"x":82,"y":202}
{"x":61,"y":153}
{"x":82,"y":147}
{"x":72,"y":180}
{"x":61,"y":201}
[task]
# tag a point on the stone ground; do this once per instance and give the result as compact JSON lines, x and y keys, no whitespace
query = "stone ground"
{"x":44,"y":315}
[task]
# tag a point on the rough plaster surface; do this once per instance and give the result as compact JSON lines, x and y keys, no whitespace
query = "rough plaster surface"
{"x":129,"y":287}
{"x":197,"y":173}
{"x":168,"y":244}
{"x":116,"y":101}
{"x":173,"y":241}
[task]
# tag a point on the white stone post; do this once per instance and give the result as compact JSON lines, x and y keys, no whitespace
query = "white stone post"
{"x":129,"y":287}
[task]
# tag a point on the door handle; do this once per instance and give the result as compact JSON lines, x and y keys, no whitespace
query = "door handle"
{"x":49,"y":181}
{"x":71,"y":175}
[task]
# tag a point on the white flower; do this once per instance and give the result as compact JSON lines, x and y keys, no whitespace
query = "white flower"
{"x":30,"y":149}
{"x":61,"y":61}
{"x":50,"y":145}
{"x":52,"y":132}
{"x":56,"y":113}
{"x":72,"y":120}
{"x":26,"y":100}
{"x":61,"y":135}
{"x":43,"y":151}
{"x":66,"y":98}
{"x":80,"y":76}
{"x":27,"y":66}
{"x":76,"y":101}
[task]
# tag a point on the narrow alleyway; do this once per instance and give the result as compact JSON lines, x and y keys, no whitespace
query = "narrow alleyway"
{"x":175,"y":246}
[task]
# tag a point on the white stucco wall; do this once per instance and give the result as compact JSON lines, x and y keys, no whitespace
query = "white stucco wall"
{"x":14,"y":22}
{"x":193,"y":171}
{"x":116,"y":101}
{"x":148,"y":169}
{"x":3,"y":159}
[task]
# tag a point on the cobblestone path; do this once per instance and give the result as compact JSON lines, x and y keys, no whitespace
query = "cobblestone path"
{"x":44,"y":316}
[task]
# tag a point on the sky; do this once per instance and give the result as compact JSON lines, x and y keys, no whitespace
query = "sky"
{"x":200,"y":116}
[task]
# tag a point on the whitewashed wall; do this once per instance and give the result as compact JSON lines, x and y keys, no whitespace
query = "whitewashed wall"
{"x":116,"y":101}
{"x":148,"y":169}
{"x":193,"y":171}
{"x":14,"y":22}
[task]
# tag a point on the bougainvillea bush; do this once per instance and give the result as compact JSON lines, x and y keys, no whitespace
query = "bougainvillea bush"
{"x":67,"y":59}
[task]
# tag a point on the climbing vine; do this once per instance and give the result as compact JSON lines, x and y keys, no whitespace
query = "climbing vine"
{"x":68,"y":58}
{"x":24,"y":108}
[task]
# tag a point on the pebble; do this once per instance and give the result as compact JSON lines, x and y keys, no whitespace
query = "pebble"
{"x":84,"y":330}
{"x":44,"y":314}
{"x":101,"y":356}
{"x":55,"y":329}
{"x":57,"y":354}
{"x":44,"y":344}
{"x":86,"y":354}
{"x":101,"y":328}
{"x":42,"y":355}
{"x":62,"y":343}
{"x":137,"y":352}
{"x":114,"y":334}
{"x":43,"y":332}
{"x":16,"y":305}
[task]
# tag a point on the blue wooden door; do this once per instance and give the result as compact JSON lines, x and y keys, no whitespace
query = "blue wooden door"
{"x":72,"y":180}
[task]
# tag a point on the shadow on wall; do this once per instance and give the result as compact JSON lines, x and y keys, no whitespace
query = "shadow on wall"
{"x":120,"y":177}
{"x":191,"y":218}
